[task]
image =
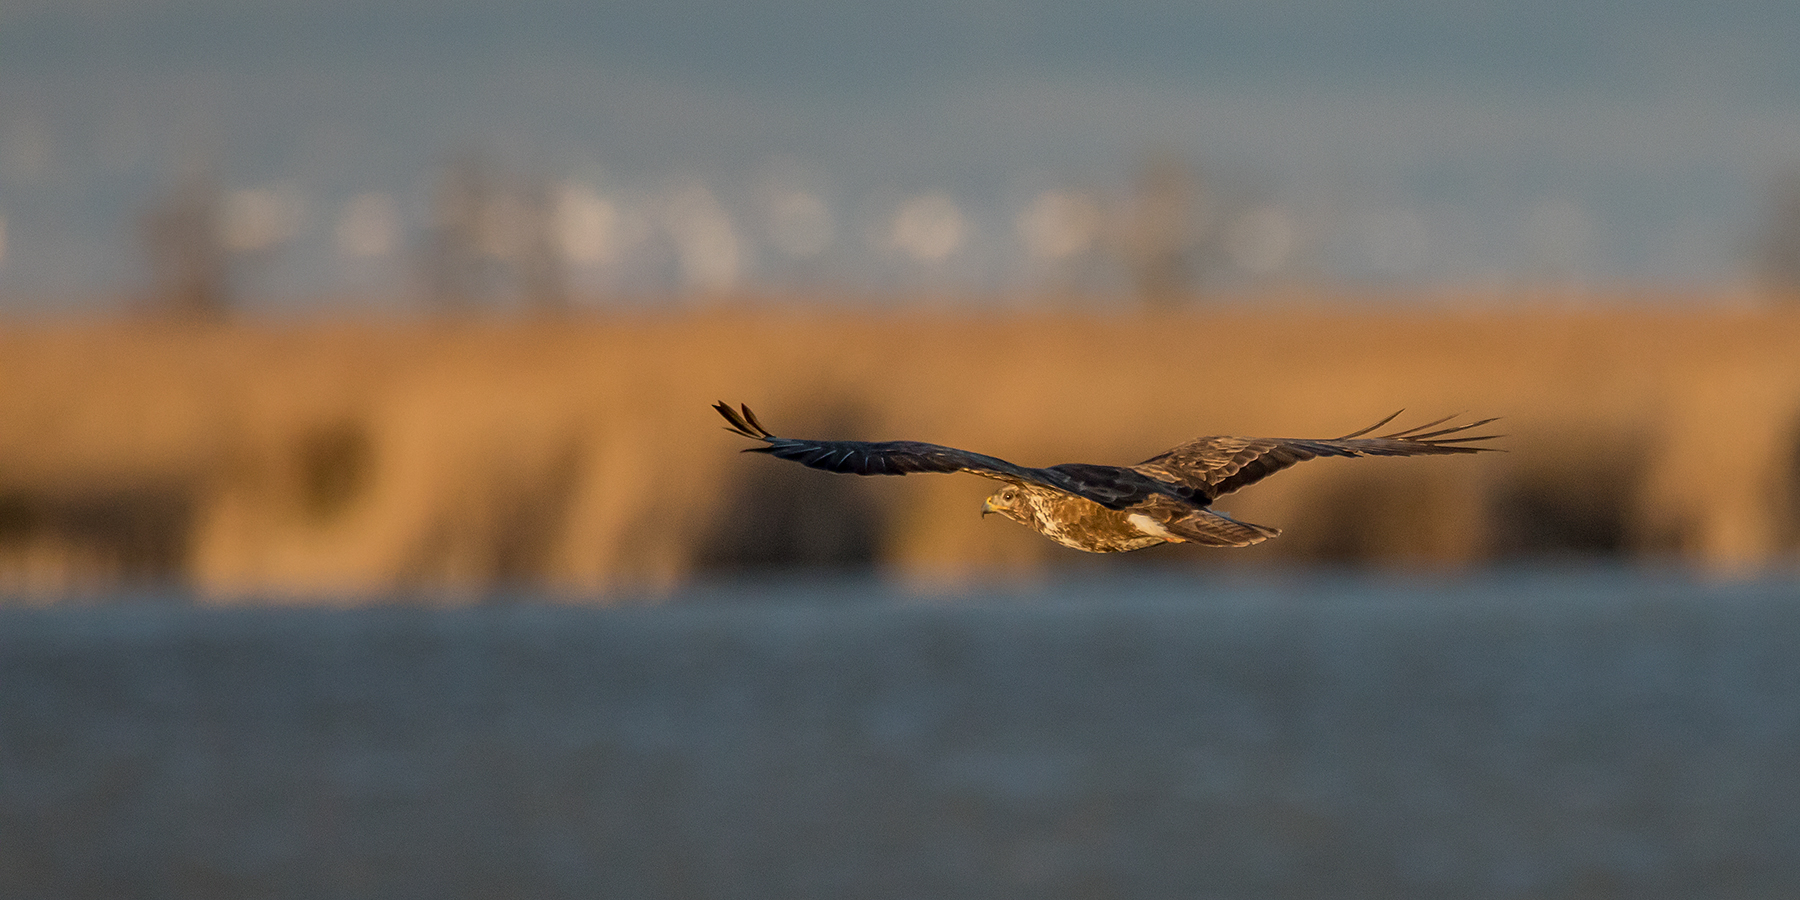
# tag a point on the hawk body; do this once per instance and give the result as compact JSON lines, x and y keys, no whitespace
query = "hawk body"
{"x":1105,"y":509}
{"x":1085,"y":525}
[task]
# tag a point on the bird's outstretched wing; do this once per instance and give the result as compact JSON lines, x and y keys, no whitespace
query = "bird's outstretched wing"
{"x":1220,"y":465}
{"x":1114,"y":487}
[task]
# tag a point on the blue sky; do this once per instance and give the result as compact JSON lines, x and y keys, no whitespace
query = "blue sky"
{"x":1395,"y":142}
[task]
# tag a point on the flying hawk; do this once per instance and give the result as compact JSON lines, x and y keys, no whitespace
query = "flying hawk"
{"x":1104,"y":509}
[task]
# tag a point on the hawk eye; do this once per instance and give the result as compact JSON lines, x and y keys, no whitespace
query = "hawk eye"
{"x":1006,"y":495}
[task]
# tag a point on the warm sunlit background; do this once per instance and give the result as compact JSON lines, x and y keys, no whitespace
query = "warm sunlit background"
{"x":346,"y":303}
{"x":318,"y":299}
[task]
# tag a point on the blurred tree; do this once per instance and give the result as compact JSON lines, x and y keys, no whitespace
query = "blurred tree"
{"x":542,"y":270}
{"x":188,"y":260}
{"x":1160,"y":233}
{"x":1062,"y":230}
{"x":492,"y":239}
{"x":1777,"y":248}
{"x":787,"y":517}
{"x":450,"y":263}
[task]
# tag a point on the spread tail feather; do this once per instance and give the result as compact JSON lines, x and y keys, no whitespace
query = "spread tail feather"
{"x":1211,"y":529}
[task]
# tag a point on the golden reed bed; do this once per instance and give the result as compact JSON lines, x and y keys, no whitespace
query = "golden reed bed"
{"x":331,"y":459}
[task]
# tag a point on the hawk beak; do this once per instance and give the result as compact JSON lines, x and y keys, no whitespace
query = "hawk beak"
{"x":987,"y":506}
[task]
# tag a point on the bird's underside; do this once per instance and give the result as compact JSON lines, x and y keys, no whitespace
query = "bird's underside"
{"x":1102,"y":509}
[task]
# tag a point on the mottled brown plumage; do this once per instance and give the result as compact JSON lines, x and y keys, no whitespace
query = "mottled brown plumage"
{"x":1104,"y":509}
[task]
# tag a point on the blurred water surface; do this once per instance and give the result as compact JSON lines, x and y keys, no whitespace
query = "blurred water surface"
{"x":1544,"y":733}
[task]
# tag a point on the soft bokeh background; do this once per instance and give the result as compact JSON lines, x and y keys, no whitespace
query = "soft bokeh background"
{"x":418,"y":308}
{"x":705,"y":145}
{"x":323,"y":299}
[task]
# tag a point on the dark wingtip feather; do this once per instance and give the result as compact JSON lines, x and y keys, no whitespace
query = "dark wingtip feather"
{"x":1428,"y":438}
{"x":1483,"y":437}
{"x":1357,"y":434}
{"x":1419,"y":433}
{"x":751,"y":418}
{"x":739,"y":424}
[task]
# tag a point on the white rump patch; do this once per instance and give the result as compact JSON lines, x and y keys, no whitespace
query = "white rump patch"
{"x":1150,"y":526}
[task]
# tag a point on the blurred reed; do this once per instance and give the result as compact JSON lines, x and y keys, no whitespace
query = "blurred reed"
{"x":350,"y":460}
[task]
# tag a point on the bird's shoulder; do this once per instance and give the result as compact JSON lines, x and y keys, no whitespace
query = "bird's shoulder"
{"x":1218,"y":464}
{"x":1207,"y":454}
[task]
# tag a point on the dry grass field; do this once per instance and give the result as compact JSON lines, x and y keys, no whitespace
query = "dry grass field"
{"x":359,"y":459}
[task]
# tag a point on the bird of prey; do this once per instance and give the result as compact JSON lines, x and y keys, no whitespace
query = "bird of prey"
{"x":1103,"y":509}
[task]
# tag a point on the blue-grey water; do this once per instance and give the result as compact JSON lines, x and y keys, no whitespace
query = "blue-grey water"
{"x":1541,"y":734}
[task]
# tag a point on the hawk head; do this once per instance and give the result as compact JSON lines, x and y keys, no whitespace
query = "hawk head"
{"x":1011,"y":501}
